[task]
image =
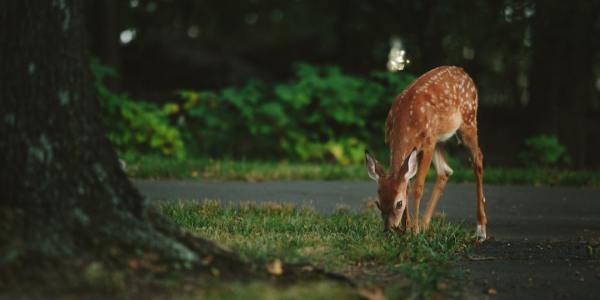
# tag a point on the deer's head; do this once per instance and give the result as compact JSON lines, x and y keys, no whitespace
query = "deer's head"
{"x":392,"y":189}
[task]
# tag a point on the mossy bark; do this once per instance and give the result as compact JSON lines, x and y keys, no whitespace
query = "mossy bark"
{"x":64,"y":193}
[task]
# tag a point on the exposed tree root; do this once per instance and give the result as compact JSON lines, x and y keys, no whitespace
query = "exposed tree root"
{"x":141,"y":258}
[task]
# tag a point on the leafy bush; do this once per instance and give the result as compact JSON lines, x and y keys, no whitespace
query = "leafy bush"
{"x":133,"y":126}
{"x":544,"y":151}
{"x":321,"y":115}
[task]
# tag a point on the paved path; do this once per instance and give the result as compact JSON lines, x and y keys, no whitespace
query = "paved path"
{"x":540,"y":237}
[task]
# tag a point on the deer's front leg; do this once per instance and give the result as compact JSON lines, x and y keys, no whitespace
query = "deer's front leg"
{"x":419,"y":184}
{"x":443,"y":173}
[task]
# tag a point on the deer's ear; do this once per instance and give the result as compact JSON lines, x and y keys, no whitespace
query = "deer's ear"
{"x":373,"y":167}
{"x":412,"y":166}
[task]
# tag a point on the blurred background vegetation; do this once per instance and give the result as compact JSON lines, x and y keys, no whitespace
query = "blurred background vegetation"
{"x":306,"y":80}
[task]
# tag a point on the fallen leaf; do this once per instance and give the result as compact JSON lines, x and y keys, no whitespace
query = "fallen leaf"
{"x":275,"y":267}
{"x":376,"y":294}
{"x":492,"y":291}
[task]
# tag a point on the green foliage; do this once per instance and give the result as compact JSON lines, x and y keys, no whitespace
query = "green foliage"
{"x":323,"y":114}
{"x":251,"y":170}
{"x":544,"y":151}
{"x":337,"y":242}
{"x":133,"y":126}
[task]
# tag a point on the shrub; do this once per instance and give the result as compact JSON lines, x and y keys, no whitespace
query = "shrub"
{"x":323,"y":114}
{"x":544,"y":151}
{"x":135,"y":127}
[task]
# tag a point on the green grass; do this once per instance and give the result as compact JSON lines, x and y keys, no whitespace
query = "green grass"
{"x":267,"y":291}
{"x":196,"y":168}
{"x":344,"y":242}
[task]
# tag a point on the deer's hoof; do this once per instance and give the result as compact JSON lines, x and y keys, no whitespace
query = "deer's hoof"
{"x":415,"y":229}
{"x":480,"y":234}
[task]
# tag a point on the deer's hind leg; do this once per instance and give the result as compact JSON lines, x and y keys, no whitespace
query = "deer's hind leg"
{"x":470,"y":140}
{"x":443,"y":171}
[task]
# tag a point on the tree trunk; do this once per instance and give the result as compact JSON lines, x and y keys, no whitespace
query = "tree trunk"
{"x":64,"y":194}
{"x":562,"y":78}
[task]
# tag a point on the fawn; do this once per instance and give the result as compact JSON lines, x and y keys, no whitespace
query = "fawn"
{"x":430,"y":110}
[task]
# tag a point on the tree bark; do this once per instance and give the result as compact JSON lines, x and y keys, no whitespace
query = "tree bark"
{"x":64,"y":193}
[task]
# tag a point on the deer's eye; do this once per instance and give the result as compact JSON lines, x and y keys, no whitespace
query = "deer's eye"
{"x":399,"y":205}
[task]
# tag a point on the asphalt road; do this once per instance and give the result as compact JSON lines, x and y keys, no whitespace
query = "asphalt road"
{"x":543,"y":241}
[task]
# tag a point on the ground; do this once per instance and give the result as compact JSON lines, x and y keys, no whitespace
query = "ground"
{"x":544,"y":242}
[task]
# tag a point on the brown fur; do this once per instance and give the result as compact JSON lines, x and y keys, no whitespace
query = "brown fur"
{"x":430,"y":109}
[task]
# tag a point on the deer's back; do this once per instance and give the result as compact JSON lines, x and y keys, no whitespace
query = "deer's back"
{"x":434,"y":104}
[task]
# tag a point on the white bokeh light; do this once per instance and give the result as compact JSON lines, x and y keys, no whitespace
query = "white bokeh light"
{"x":396,"y":59}
{"x":127,"y":36}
